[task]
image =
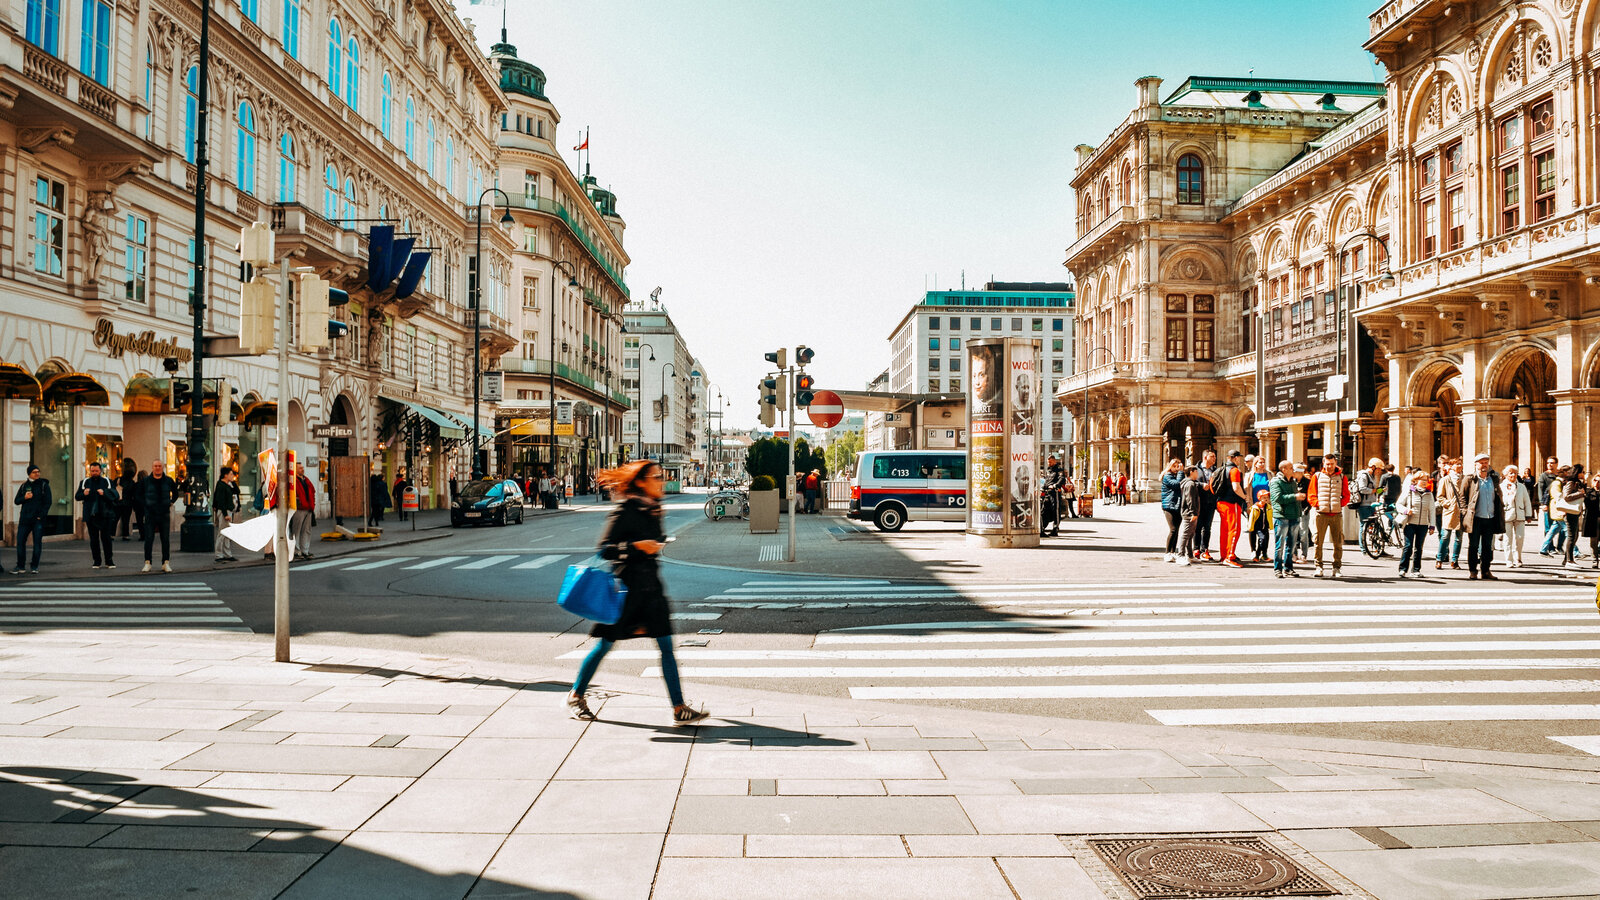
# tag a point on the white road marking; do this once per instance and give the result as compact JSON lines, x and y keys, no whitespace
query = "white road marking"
{"x":432,"y":563}
{"x":141,"y":620}
{"x":1252,"y":649}
{"x":1240,"y":689}
{"x":485,"y":562}
{"x":1103,"y":624}
{"x":379,"y":563}
{"x":1588,"y":743}
{"x":325,"y":564}
{"x":1214,"y":670}
{"x":540,"y":562}
{"x":1335,"y":714}
{"x":817,"y":582}
{"x":697,"y":616}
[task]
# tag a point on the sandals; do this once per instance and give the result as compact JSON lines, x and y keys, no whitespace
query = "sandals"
{"x":578,"y":706}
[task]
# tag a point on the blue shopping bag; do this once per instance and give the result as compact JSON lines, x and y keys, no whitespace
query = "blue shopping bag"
{"x":592,"y":592}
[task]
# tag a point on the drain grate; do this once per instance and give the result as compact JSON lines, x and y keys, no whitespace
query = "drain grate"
{"x":1179,"y":868}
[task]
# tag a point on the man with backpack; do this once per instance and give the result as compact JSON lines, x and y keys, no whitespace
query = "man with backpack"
{"x":1227,"y":485}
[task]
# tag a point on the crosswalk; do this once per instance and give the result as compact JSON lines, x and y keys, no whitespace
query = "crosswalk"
{"x":1192,"y":652}
{"x":461,"y":562}
{"x":137,"y":604}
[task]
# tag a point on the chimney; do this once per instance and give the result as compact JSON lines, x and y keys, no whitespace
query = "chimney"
{"x":1149,"y":91}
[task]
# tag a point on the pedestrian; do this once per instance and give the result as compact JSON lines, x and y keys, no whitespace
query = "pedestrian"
{"x":127,"y":478}
{"x":1260,"y":523}
{"x":1550,"y":475}
{"x":1069,"y":498}
{"x":813,"y":482}
{"x":157,"y":492}
{"x":1260,"y":480}
{"x":1229,"y":486}
{"x":633,"y":539}
{"x":1364,"y":491}
{"x":224,"y":510}
{"x":1302,"y":542}
{"x":1566,"y":500}
{"x":1208,"y":506}
{"x":98,"y":494}
{"x":1414,"y":511}
{"x":304,"y":517}
{"x":1188,"y":511}
{"x":1286,"y":498}
{"x":33,"y":496}
{"x":1591,"y":518}
{"x":1171,"y":505}
{"x":1050,"y":507}
{"x":400,"y":485}
{"x":1122,"y":488}
{"x":1519,"y":511}
{"x":1483,"y":515}
{"x":1448,"y":494}
{"x":1329,"y":495}
{"x":377,"y":497}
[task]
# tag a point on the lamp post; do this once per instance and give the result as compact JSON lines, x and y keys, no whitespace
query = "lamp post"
{"x":638,"y":410}
{"x":572,"y":281}
{"x":477,"y":321}
{"x":1083,"y":422}
{"x":666,"y":401}
{"x":197,"y":534}
{"x":1341,"y":352}
{"x":713,"y":450}
{"x":605,"y":439}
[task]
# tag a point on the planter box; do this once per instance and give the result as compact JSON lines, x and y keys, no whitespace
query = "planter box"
{"x":763,"y":512}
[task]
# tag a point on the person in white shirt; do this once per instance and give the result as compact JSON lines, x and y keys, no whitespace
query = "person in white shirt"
{"x":1519,"y":509}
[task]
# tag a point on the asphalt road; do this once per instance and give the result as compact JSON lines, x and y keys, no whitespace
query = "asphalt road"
{"x":1507,"y":665}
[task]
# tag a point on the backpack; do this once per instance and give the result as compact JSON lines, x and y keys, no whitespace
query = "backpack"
{"x":1219,"y":483}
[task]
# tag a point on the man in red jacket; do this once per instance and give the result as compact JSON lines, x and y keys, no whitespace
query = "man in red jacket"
{"x":1329,"y":495}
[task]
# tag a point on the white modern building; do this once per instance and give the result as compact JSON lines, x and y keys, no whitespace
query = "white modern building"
{"x":660,"y":378}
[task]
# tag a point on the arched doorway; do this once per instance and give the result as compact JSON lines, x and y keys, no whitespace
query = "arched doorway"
{"x":1188,"y":436}
{"x":1528,"y":378}
{"x":1438,"y":386}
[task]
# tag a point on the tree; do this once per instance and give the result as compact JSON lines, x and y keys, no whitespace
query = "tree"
{"x":770,"y":456}
{"x":842,"y":452}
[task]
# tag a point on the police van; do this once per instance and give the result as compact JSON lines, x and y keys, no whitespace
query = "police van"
{"x":892,"y":487}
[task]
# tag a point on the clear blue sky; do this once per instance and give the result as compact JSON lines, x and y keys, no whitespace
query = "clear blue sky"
{"x":800,"y":172}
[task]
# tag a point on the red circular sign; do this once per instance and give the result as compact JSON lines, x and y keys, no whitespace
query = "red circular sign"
{"x":826,"y":409}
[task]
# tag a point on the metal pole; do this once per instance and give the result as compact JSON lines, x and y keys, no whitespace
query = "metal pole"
{"x":793,"y":436}
{"x":280,"y":531}
{"x":197,"y":534}
{"x":477,"y":339}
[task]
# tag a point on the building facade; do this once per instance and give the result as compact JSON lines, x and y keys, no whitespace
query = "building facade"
{"x":660,"y":377}
{"x":320,"y":118}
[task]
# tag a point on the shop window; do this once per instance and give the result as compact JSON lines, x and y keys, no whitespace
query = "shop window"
{"x":1191,"y":179}
{"x":136,"y":259}
{"x":49,"y":225}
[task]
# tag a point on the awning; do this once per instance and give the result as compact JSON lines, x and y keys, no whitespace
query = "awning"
{"x":449,"y":428}
{"x":76,"y":389}
{"x":484,"y":430}
{"x":259,"y":412}
{"x":16,"y":383}
{"x":147,"y":395}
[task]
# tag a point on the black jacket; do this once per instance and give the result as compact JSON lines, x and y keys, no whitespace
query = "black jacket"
{"x":377,"y":492}
{"x":125,"y":490}
{"x":97,"y":506}
{"x":225,"y":499}
{"x":645,"y":612}
{"x":39,"y":506}
{"x":155,"y":495}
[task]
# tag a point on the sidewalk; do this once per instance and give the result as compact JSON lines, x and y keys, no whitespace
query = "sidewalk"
{"x":155,"y":767}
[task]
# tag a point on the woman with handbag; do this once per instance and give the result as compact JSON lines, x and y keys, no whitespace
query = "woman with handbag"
{"x":1447,"y":494}
{"x":1414,"y":510}
{"x":1569,"y":505}
{"x":1591,"y":518}
{"x":633,"y":538}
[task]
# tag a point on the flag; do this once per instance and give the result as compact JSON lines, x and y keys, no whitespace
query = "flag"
{"x":584,"y":145}
{"x":486,"y":2}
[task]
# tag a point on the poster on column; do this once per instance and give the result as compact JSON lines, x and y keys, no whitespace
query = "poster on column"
{"x":1022,"y":409}
{"x":986,"y":436}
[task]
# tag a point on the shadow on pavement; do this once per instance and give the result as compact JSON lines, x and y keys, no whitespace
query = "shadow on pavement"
{"x":476,"y":680}
{"x":81,"y":833}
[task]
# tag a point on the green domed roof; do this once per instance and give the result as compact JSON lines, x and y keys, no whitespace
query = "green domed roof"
{"x":517,"y":76}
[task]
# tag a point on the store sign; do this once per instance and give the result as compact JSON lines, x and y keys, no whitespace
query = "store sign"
{"x":144,"y":344}
{"x":564,"y":417}
{"x":1302,"y":355}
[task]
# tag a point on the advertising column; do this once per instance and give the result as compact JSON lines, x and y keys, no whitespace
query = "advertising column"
{"x":1002,"y":430}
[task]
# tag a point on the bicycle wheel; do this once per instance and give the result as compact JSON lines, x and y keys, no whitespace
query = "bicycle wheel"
{"x":1372,"y":538}
{"x":711,"y":506}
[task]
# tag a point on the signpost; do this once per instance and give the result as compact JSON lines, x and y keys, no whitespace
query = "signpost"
{"x":826,"y":410}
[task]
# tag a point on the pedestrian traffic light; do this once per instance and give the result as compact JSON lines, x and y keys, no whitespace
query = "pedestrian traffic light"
{"x":180,"y":393}
{"x":803,"y":389}
{"x":257,"y":305}
{"x":779,"y":358}
{"x":314,"y":293}
{"x":804,"y":354}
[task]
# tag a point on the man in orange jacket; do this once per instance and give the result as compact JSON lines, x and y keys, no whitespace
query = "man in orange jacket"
{"x":1329,"y":494}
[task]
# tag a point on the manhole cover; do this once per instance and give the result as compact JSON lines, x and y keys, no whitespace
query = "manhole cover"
{"x":1174,"y":868}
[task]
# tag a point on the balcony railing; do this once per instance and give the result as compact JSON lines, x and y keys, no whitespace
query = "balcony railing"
{"x":563,"y":371}
{"x":1239,"y":366}
{"x":62,"y":79}
{"x":1122,"y":215}
{"x":546,"y":205}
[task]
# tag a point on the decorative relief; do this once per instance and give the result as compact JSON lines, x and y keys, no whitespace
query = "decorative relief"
{"x":96,"y":233}
{"x":1543,"y":54}
{"x":1452,"y":104}
{"x":1475,"y":52}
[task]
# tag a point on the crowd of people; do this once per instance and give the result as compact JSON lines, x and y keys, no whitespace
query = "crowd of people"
{"x":1295,"y":516}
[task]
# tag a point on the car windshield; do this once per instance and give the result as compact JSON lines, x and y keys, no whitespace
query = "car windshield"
{"x":479,"y":490}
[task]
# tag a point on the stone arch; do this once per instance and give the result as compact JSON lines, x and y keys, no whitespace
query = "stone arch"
{"x":1124,"y":278}
{"x":1589,"y":369}
{"x":1380,"y":207}
{"x":1345,"y":218}
{"x":1308,"y":234}
{"x":1510,"y":46}
{"x":1275,"y":249}
{"x":1104,"y":289}
{"x":1584,"y":36}
{"x":1245,"y":268}
{"x":1432,"y":105}
{"x":1179,"y":149}
{"x":1193,"y":263}
{"x":1524,"y":367}
{"x":295,"y":421}
{"x":1430,"y":377}
{"x":343,"y":412}
{"x":1187,"y":436}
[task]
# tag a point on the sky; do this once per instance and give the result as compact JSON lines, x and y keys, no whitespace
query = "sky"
{"x":801,"y":172}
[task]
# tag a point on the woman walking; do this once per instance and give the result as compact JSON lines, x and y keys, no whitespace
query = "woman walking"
{"x":1571,"y":508}
{"x":633,"y":539}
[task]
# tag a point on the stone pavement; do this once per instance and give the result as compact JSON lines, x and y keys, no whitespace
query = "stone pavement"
{"x":172,"y":766}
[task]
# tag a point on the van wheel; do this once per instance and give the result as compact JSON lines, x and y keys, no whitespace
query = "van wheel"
{"x":891,"y":518}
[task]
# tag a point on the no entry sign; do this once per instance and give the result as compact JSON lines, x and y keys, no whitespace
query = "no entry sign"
{"x":826,"y":410}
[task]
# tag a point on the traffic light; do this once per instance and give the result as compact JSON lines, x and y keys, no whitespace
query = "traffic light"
{"x":803,"y":388}
{"x":804,"y":354}
{"x":257,"y":305}
{"x":769,"y":401}
{"x":337,"y":329}
{"x":779,"y":358}
{"x":313,"y":313}
{"x":180,"y":393}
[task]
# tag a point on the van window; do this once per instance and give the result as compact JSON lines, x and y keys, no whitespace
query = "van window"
{"x":953,"y":466}
{"x":897,"y":466}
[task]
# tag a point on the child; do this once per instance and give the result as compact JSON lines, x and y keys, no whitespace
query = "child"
{"x":1260,"y":525}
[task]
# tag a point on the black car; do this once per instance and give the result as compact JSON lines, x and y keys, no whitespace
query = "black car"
{"x":478,"y":502}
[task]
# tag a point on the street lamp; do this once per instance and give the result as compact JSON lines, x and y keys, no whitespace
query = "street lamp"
{"x":572,"y":282}
{"x":477,"y":320}
{"x":713,"y":450}
{"x":197,"y":533}
{"x":638,"y":410}
{"x":1341,"y":352}
{"x":666,"y":400}
{"x":1083,"y":422}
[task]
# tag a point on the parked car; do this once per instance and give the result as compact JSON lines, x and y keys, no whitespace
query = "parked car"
{"x":478,"y":502}
{"x":894,"y":486}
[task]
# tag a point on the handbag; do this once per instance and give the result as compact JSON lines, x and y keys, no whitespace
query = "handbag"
{"x":592,"y":592}
{"x":1565,"y":507}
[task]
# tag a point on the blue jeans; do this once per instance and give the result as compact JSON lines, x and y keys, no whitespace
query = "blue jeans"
{"x":1286,"y":532}
{"x":1555,"y":534}
{"x":669,"y":668}
{"x":1411,"y":556}
{"x":33,"y":525}
{"x":1447,"y":552}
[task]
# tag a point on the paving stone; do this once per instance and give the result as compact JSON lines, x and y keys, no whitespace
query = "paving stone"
{"x":1384,"y":809}
{"x":107,"y":733}
{"x":320,"y":739}
{"x":925,"y":743}
{"x":1423,"y":836}
{"x":986,"y":845}
{"x":1057,"y":764}
{"x":1474,"y":873}
{"x":423,"y":709}
{"x":1095,"y":813}
{"x":1241,"y":784}
{"x":525,"y":759}
{"x":824,"y":846}
{"x":837,"y":787}
{"x":374,"y":723}
{"x":930,"y":787}
{"x":292,"y":841}
{"x":279,"y":758}
{"x":603,"y":807}
{"x":1340,"y":783}
{"x":732,"y":787}
{"x":169,"y":720}
{"x":725,"y":845}
{"x":230,"y":736}
{"x":277,"y":781}
{"x":87,"y":755}
{"x":49,"y":801}
{"x":198,"y":690}
{"x":1299,"y":767}
{"x":1592,"y":829}
{"x":179,"y":837}
{"x":376,"y":784}
{"x":387,"y":866}
{"x":795,"y":879}
{"x":36,"y":873}
{"x":423,"y":741}
{"x":819,"y":815}
{"x":763,"y":787}
{"x":52,"y":834}
{"x":457,"y":805}
{"x":1042,"y":878}
{"x":719,"y":763}
{"x":603,"y":760}
{"x":564,"y":867}
{"x":1085,"y":785}
{"x":1004,"y":745}
{"x":1555,"y":800}
{"x":143,"y":777}
{"x":236,"y":808}
{"x":1316,"y":840}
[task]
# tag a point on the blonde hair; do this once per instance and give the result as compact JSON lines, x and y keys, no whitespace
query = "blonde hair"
{"x":622,"y":478}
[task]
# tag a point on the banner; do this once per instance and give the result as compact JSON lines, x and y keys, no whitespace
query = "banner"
{"x":1022,"y":407}
{"x":986,"y":436}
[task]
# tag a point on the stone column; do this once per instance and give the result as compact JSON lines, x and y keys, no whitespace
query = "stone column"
{"x":1296,"y":448}
{"x":1486,"y":428}
{"x":1577,"y":429}
{"x":1411,"y":436}
{"x":1268,"y":437}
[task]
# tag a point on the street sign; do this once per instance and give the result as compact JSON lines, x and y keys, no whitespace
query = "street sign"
{"x":322,"y":432}
{"x":494,"y":386}
{"x":827,"y":409}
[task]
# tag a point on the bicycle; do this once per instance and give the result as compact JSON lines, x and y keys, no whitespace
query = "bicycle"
{"x":1376,"y":538}
{"x":730,"y":502}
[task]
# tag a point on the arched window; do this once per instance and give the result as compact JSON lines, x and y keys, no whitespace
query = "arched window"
{"x":450,"y":165}
{"x":335,"y":55}
{"x":245,"y":150}
{"x":191,"y":110}
{"x":347,"y":211}
{"x":288,"y":170}
{"x":1191,"y":179}
{"x":411,"y":129}
{"x":352,"y":74}
{"x":44,"y":25}
{"x":291,"y":28}
{"x":1105,"y":197}
{"x":330,"y":193}
{"x":1125,"y":185}
{"x":386,"y":108}
{"x":433,"y":154}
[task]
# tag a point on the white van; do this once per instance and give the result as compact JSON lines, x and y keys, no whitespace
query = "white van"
{"x":891,"y":487}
